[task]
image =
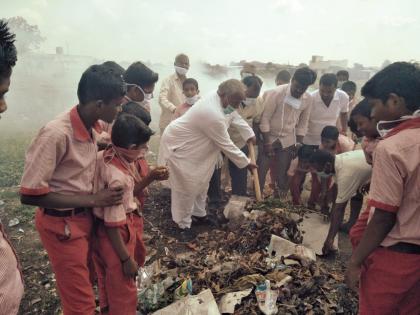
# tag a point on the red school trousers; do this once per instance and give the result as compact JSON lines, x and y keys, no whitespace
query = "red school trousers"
{"x":390,"y":284}
{"x":67,"y":242}
{"x":117,"y":293}
{"x":140,"y":249}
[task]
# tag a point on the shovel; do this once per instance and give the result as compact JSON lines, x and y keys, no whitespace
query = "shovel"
{"x":255,"y":173}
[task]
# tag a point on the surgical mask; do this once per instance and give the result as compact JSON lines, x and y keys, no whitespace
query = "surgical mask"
{"x":129,"y":155}
{"x":191,"y":100}
{"x":246,"y":74}
{"x":146,"y":96}
{"x":249,"y":101}
{"x":323,"y":174}
{"x":384,"y":131}
{"x":228,"y":110}
{"x":181,"y":70}
{"x":293,"y":102}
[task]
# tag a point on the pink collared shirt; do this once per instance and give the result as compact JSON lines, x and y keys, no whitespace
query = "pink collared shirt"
{"x":112,"y":173}
{"x":395,"y":183}
{"x":181,"y":110}
{"x":61,"y":158}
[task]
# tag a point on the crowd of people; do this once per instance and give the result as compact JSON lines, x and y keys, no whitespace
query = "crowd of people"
{"x":86,"y":172}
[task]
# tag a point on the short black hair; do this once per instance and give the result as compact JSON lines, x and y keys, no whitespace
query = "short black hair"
{"x":128,"y":130}
{"x":349,"y":86}
{"x":140,"y":74}
{"x":401,"y":78}
{"x":137,"y":110}
{"x":115,"y":66}
{"x":252,"y":80}
{"x":362,"y":108}
{"x":343,"y":73}
{"x":8,"y":53}
{"x":283,"y":75}
{"x":100,"y":82}
{"x":330,"y":132}
{"x":305,"y":76}
{"x":328,"y":79}
{"x":321,"y":157}
{"x":190,"y":81}
{"x":305,"y":152}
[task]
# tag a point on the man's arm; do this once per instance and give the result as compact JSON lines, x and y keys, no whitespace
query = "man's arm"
{"x":302,"y":124}
{"x":270,"y":107}
{"x":377,"y":229}
{"x":158,"y":173}
{"x":163,"y":96}
{"x":343,"y":119}
{"x":242,"y":126}
{"x":337,"y":215}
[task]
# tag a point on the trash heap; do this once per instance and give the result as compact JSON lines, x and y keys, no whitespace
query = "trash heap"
{"x":254,"y":266}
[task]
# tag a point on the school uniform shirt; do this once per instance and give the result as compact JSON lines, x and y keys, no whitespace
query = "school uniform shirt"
{"x":344,"y":144}
{"x":322,"y":115}
{"x":395,"y":184}
{"x":191,"y":144}
{"x":281,"y":120}
{"x":247,"y":114}
{"x":170,"y":97}
{"x":111,"y":172}
{"x":351,"y":173}
{"x":368,"y":147}
{"x":11,"y":281}
{"x":61,"y":158}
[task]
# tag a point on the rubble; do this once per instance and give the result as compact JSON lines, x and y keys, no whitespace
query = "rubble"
{"x":232,"y":263}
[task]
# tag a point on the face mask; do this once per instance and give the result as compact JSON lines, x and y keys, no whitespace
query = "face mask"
{"x":249,"y":101}
{"x":246,"y":74}
{"x":323,"y":174}
{"x":127,"y":154}
{"x":228,"y":110}
{"x":384,"y":131}
{"x":180,"y":70}
{"x":293,"y":102}
{"x":191,"y":100}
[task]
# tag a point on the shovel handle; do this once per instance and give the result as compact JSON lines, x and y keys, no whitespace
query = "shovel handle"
{"x":255,"y":173}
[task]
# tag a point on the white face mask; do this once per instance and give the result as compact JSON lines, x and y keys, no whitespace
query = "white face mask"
{"x":293,"y":102}
{"x":250,"y":101}
{"x":323,"y":174}
{"x":191,"y":100}
{"x":180,"y":70}
{"x":246,"y":74}
{"x":384,"y":131}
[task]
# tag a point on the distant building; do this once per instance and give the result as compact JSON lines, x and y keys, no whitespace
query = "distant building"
{"x":318,"y":64}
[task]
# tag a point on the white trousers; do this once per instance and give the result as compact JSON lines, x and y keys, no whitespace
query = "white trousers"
{"x":184,"y":205}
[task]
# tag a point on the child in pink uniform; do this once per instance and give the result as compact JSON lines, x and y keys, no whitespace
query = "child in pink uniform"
{"x":387,"y":258}
{"x":191,"y":92}
{"x":117,"y":254}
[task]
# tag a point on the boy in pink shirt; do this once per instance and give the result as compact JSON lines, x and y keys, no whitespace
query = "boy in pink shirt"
{"x":387,"y":258}
{"x":191,"y":91}
{"x":115,"y":255}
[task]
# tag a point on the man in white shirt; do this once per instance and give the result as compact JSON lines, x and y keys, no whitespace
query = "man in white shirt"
{"x":351,"y":172}
{"x":329,"y":103}
{"x":171,"y":94}
{"x":190,"y":147}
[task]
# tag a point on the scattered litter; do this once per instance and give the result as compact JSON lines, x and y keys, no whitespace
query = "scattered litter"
{"x":183,"y":290}
{"x":2,"y":203}
{"x":230,"y":300}
{"x":14,"y":222}
{"x":266,"y":298}
{"x":280,"y":247}
{"x":201,"y":304}
{"x":235,"y":208}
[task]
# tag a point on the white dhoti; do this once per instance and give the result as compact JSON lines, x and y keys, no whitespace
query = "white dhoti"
{"x":190,"y":147}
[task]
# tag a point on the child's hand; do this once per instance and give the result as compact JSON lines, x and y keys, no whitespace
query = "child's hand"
{"x":130,"y":268}
{"x":352,"y":276}
{"x":159,"y":173}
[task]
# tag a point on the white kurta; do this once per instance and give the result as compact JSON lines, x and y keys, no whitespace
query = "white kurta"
{"x":190,"y":147}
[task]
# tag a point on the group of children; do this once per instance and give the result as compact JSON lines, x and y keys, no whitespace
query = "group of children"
{"x":90,"y":198}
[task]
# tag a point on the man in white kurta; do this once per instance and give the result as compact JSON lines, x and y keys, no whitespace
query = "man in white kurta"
{"x":190,"y":147}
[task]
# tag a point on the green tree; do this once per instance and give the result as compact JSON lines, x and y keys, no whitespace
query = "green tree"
{"x":28,"y":37}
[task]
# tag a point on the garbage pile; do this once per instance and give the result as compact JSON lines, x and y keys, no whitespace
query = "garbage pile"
{"x":256,"y":268}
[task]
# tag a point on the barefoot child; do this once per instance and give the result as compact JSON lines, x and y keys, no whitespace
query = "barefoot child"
{"x":118,"y":249}
{"x":58,"y":178}
{"x":387,"y":259}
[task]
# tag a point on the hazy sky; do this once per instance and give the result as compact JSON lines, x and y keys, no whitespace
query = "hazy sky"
{"x":219,"y":31}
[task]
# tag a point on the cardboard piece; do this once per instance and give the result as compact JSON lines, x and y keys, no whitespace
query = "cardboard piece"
{"x":201,"y":304}
{"x":316,"y":231}
{"x":280,"y":247}
{"x":230,"y":300}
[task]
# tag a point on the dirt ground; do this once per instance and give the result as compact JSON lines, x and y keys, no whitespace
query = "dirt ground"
{"x":40,"y":292}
